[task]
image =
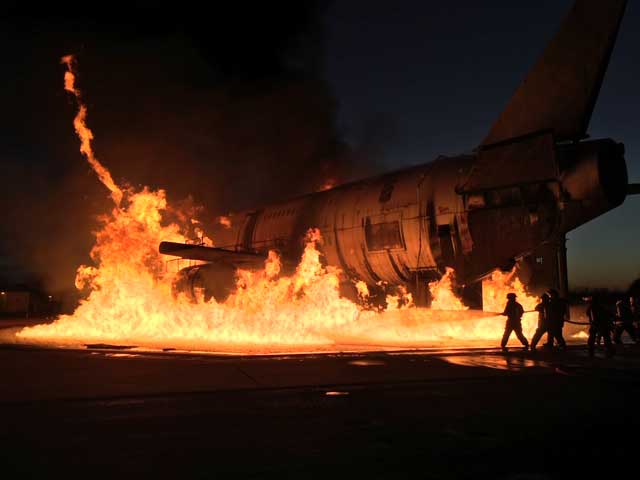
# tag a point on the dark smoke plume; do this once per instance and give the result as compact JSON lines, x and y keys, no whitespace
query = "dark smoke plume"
{"x":230,"y":108}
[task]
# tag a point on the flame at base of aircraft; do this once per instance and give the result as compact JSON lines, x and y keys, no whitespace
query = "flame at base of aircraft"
{"x":508,"y":204}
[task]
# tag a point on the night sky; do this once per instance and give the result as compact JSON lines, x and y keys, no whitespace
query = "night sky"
{"x":239,"y":106}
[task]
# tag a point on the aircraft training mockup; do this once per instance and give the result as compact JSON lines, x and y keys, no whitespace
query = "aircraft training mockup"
{"x":511,"y":202}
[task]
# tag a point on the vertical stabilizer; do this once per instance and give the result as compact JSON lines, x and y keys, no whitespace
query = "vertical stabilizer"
{"x":561,"y":89}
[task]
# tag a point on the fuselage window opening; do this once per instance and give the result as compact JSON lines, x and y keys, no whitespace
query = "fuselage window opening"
{"x":383,"y":236}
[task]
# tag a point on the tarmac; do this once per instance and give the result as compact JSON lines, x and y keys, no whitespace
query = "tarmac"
{"x":99,"y":411}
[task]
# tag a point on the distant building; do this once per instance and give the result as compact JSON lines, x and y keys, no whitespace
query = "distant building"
{"x":18,"y":301}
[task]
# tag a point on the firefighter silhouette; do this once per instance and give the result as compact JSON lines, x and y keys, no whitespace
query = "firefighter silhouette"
{"x":558,"y":313}
{"x":543,"y":323}
{"x":513,"y":311}
{"x":600,"y":325}
{"x":624,"y":317}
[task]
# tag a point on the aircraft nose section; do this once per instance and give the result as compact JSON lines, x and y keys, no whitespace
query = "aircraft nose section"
{"x":594,"y":180}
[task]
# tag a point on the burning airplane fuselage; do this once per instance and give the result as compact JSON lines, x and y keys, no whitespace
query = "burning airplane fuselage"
{"x":457,"y":212}
{"x":530,"y":181}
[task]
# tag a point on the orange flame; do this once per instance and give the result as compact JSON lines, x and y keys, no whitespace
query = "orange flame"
{"x":362,"y":290}
{"x":443,"y":297}
{"x":199,"y":232}
{"x":130,"y":298}
{"x":328,"y":184}
{"x":86,"y":135}
{"x":496,"y":287}
{"x":224,"y":221}
{"x":401,"y":300}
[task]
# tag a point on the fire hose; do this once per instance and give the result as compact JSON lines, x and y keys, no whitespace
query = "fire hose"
{"x":567,"y":321}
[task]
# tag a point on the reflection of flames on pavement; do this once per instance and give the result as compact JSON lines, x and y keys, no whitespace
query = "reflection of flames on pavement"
{"x":130,"y":297}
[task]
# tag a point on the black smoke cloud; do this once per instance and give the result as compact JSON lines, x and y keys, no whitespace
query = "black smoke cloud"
{"x":229,"y":108}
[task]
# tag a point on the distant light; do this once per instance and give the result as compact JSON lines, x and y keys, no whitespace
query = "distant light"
{"x":2,"y":293}
{"x":50,"y":297}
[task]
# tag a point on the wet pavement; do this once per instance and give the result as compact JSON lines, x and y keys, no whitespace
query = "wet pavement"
{"x":436,"y":413}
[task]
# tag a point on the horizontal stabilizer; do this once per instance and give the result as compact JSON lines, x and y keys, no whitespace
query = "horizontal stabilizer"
{"x":560,"y":91}
{"x":214,"y":255}
{"x":530,"y":159}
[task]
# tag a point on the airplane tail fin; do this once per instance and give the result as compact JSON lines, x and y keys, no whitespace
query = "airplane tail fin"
{"x":560,"y":91}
